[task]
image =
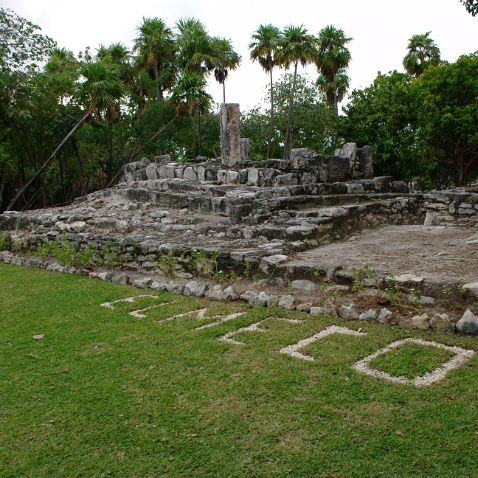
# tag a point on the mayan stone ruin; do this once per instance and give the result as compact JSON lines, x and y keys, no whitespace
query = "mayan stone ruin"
{"x":320,"y":234}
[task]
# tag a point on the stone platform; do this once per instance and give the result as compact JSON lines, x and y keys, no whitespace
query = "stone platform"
{"x":325,"y":220}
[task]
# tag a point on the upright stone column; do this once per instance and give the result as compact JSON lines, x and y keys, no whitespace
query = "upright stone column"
{"x":230,"y":135}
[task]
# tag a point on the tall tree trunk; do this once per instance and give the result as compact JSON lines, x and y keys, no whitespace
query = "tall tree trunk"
{"x":191,"y":117}
{"x":76,"y":152}
{"x":224,"y":91}
{"x":199,"y":133}
{"x":288,"y":135}
{"x":271,"y":118}
{"x":336,"y":105}
{"x":62,"y":179}
{"x":2,"y":187}
{"x":159,"y":92}
{"x":109,"y":166}
{"x":48,"y":161}
{"x":463,"y":170}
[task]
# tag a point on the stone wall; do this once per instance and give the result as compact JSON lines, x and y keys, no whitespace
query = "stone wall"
{"x":454,"y":207}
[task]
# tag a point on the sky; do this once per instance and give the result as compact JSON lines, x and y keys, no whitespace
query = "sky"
{"x":380,"y":29}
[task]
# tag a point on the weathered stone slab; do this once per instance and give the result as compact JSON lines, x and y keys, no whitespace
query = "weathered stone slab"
{"x":230,"y":134}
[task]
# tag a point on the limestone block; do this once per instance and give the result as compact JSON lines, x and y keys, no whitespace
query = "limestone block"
{"x":287,"y":301}
{"x":232,"y":177}
{"x":201,"y":173}
{"x":441,"y":323}
{"x":190,"y":174}
{"x":222,"y":176}
{"x":303,"y":285}
{"x":366,"y":165}
{"x":399,"y":187}
{"x":468,"y":324}
{"x":421,"y":322}
{"x":262,"y":299}
{"x":245,"y":150}
{"x":334,"y":169}
{"x":195,"y":288}
{"x":472,"y":287}
{"x":382,"y":183}
{"x":384,"y":316}
{"x":152,"y":171}
{"x":349,"y":312}
{"x":272,"y":261}
{"x":252,"y":176}
{"x":354,"y":188}
{"x":369,"y":315}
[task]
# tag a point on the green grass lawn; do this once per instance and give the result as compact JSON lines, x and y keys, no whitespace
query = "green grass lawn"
{"x":108,"y":394}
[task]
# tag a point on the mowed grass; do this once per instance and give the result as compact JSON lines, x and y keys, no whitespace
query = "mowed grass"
{"x":411,"y":360}
{"x":107,"y":394}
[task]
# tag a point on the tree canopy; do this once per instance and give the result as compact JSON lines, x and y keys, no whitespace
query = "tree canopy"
{"x":70,"y":121}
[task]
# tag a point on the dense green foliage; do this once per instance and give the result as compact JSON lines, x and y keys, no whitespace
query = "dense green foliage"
{"x":314,"y":126}
{"x":69,"y":122}
{"x":471,"y":6}
{"x":420,"y":127}
{"x":107,"y":394}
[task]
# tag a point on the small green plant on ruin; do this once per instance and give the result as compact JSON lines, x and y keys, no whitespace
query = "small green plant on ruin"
{"x":249,"y":271}
{"x":446,"y":291}
{"x":317,"y":274}
{"x":5,"y":241}
{"x":66,"y":253}
{"x":392,"y":291}
{"x":20,"y":245}
{"x":167,"y":264}
{"x":362,"y":277}
{"x":461,"y":289}
{"x":330,"y":286}
{"x":110,"y":254}
{"x":208,"y":266}
{"x":416,"y":294}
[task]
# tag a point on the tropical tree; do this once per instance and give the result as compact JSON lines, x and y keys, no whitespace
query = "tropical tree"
{"x":422,"y":52}
{"x":195,"y":47}
{"x":314,"y":119}
{"x":22,"y":45}
{"x":155,"y":49}
{"x":99,"y":91}
{"x":191,"y":99}
{"x":471,"y":6}
{"x":264,"y":47}
{"x":226,"y":60}
{"x":296,"y":46}
{"x":385,"y":115}
{"x":62,"y":70}
{"x":333,"y":58}
{"x":449,"y":115}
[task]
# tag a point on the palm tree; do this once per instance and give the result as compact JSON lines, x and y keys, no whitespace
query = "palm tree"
{"x":190,"y":98}
{"x":471,"y":6}
{"x":195,"y":47}
{"x":296,"y":46}
{"x":332,"y":61}
{"x":62,"y":71}
{"x":226,"y":60}
{"x":100,"y":91}
{"x":264,"y":46}
{"x":155,"y":49}
{"x":422,"y":52}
